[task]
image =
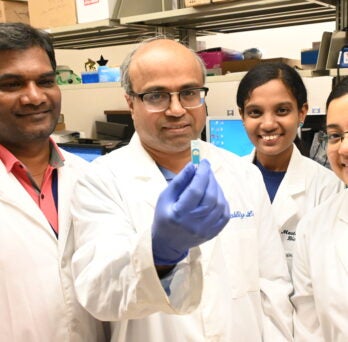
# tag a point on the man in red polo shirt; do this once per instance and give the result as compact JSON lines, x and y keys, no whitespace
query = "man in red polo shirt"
{"x":36,"y":180}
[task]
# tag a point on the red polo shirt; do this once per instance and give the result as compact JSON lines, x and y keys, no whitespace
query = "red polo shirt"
{"x":44,"y":196}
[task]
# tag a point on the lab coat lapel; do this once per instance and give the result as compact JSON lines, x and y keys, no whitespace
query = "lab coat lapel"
{"x":152,"y":187}
{"x":292,"y":184}
{"x":66,"y":182}
{"x":250,"y":157}
{"x":341,"y":232}
{"x":149,"y":180}
{"x":13,"y":193}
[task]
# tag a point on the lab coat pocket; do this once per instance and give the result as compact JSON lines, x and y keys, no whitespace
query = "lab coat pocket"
{"x":241,"y":257}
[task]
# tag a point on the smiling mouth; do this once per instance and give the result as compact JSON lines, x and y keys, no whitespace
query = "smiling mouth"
{"x":270,"y":137}
{"x":41,"y":112}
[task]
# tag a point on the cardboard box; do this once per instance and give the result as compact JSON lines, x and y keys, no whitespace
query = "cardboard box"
{"x":93,"y":10}
{"x":193,"y":3}
{"x":60,"y":124}
{"x":52,"y":13}
{"x":60,"y":127}
{"x":213,"y":57}
{"x":245,"y":65}
{"x":14,"y":11}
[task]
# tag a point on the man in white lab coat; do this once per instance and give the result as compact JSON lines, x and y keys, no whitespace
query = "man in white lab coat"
{"x":38,"y":302}
{"x":167,"y":250}
{"x":320,"y":267}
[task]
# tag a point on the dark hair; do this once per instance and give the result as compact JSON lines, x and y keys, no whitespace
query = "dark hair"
{"x":19,"y":36}
{"x":265,"y":72}
{"x":339,"y":90}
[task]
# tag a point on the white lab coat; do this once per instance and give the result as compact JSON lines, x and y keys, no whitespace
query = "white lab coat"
{"x":38,"y":303}
{"x":114,"y":273}
{"x":305,"y":185}
{"x":320,"y":273}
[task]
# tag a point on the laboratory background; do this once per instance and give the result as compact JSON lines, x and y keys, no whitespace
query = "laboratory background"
{"x":92,"y":37}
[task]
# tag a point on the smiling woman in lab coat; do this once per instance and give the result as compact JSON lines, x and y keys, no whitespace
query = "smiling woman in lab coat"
{"x":320,"y":270}
{"x":272,"y":99}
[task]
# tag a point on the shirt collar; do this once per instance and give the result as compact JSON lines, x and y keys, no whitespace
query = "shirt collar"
{"x":168,"y":175}
{"x":9,"y":160}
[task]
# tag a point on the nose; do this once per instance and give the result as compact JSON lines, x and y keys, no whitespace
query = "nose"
{"x":268,"y":122}
{"x":175,"y":108}
{"x":32,"y":94}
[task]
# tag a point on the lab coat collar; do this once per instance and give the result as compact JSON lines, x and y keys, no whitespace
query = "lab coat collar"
{"x":145,"y":170}
{"x":341,"y":231}
{"x":66,"y":182}
{"x":141,"y":157}
{"x":149,"y":180}
{"x":295,"y":174}
{"x":343,"y":212}
{"x":12,"y":193}
{"x":141,"y":163}
{"x":294,"y":177}
{"x":292,"y":184}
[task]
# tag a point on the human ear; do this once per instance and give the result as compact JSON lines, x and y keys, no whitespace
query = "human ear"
{"x":130,"y":103}
{"x":303,"y":113}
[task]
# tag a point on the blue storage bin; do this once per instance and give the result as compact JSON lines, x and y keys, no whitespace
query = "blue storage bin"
{"x":107,"y":74}
{"x":90,"y":77}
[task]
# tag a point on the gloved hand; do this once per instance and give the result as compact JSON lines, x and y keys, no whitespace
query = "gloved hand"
{"x":190,"y":211}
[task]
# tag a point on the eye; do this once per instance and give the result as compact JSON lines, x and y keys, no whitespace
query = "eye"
{"x":11,"y":85}
{"x":283,"y":111}
{"x":189,"y":92}
{"x":254,"y":113}
{"x":47,"y":82}
{"x":155,"y":97}
{"x":334,"y":136}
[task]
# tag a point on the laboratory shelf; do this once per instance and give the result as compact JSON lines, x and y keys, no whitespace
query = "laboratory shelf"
{"x":236,"y":16}
{"x":232,"y":16}
{"x":235,"y":76}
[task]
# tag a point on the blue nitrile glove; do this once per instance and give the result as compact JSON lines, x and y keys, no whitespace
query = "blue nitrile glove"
{"x":190,"y":211}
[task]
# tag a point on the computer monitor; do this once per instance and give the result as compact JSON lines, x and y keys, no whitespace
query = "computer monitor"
{"x":229,"y":133}
{"x":86,"y":151}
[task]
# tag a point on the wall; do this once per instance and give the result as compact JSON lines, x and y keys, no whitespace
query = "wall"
{"x":76,"y":59}
{"x":83,"y":105}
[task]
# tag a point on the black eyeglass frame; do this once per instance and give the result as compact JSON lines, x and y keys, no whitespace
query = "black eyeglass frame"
{"x":141,"y":95}
{"x":324,"y":137}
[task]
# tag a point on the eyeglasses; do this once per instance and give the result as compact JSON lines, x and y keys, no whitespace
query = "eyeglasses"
{"x":331,"y":138}
{"x":158,"y":101}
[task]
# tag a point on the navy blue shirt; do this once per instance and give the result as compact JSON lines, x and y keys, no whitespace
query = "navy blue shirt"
{"x":272,"y":179}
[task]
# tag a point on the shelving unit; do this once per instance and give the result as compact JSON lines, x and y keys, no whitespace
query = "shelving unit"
{"x":101,"y":33}
{"x":235,"y":76}
{"x":233,"y":16}
{"x":239,"y":16}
